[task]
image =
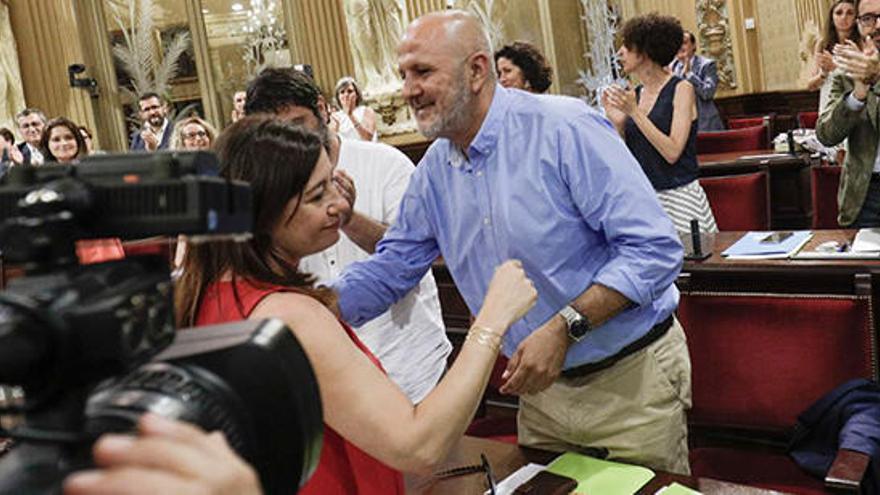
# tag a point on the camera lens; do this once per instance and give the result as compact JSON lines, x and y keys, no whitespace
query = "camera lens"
{"x":189,"y":394}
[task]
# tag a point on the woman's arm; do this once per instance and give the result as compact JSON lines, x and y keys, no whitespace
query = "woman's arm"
{"x":822,"y":65}
{"x":684,"y":112}
{"x":367,"y":409}
{"x":366,"y":127}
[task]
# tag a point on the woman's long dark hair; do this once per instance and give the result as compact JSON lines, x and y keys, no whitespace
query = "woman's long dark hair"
{"x":830,"y":38}
{"x":277,"y":159}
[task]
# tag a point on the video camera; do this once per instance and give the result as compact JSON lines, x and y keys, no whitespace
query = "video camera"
{"x":94,"y":346}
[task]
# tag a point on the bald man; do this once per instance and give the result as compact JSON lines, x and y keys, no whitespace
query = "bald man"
{"x":600,"y":362}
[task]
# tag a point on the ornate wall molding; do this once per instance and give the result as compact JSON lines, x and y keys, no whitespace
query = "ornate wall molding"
{"x":713,"y":27}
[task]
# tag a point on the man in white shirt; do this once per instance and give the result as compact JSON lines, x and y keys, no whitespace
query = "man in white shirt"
{"x":409,"y":339}
{"x":30,"y":125}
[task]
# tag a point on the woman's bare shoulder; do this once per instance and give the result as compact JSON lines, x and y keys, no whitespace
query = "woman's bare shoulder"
{"x":292,"y":307}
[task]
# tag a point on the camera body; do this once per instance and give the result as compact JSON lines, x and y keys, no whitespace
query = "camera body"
{"x":93,"y":347}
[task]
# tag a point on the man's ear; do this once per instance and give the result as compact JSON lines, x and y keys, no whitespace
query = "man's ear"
{"x":479,"y":70}
{"x":322,"y":108}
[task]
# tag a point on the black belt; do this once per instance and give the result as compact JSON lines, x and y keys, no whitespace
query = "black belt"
{"x":649,"y":338}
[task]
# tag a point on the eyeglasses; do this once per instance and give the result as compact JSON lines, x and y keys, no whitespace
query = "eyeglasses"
{"x":197,"y":134}
{"x":868,"y":20}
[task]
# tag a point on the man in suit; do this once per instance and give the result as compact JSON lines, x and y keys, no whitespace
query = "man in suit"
{"x":155,"y":132}
{"x":852,"y":113}
{"x":703,"y":74}
{"x":30,"y":125}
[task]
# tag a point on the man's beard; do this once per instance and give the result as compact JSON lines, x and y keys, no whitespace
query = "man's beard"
{"x":156,"y":122}
{"x":456,"y":118}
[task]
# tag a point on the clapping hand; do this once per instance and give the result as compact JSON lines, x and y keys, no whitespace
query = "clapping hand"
{"x":348,"y":100}
{"x":151,"y":141}
{"x":621,"y":99}
{"x":825,"y":61}
{"x":862,"y":65}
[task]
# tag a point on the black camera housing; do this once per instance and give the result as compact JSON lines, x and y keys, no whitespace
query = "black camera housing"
{"x":94,"y":347}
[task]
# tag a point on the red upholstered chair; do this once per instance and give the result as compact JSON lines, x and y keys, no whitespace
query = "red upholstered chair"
{"x":807,"y":120}
{"x":744,"y":139}
{"x":824,"y":182}
{"x":739,"y":202}
{"x":753,"y":375}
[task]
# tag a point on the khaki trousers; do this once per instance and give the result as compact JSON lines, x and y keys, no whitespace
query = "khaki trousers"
{"x":636,"y":409}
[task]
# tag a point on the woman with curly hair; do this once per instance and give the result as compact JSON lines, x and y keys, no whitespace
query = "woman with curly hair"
{"x":658,"y":119}
{"x":520,"y":65}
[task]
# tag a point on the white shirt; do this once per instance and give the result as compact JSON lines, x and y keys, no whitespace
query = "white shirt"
{"x":346,"y":126}
{"x":37,"y":157}
{"x":409,"y":339}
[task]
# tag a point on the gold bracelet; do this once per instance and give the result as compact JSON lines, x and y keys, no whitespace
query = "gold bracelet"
{"x":484,"y":336}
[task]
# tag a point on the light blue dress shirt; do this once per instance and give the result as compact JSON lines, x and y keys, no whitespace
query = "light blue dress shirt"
{"x":549,"y":182}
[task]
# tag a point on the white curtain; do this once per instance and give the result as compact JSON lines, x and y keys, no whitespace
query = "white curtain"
{"x":11,"y":91}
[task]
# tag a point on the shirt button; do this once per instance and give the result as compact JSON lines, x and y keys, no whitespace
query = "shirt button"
{"x":479,"y":173}
{"x":486,"y":221}
{"x":332,"y":262}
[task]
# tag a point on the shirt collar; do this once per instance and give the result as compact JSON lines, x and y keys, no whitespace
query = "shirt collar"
{"x":487,"y":137}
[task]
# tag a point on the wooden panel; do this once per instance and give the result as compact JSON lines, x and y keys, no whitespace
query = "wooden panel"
{"x":48,"y":41}
{"x":322,"y":38}
{"x":418,"y":8}
{"x":779,"y":44}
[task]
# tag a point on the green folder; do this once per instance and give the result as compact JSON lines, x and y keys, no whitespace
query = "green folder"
{"x":596,"y":476}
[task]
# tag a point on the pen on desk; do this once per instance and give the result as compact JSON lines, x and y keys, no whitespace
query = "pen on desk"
{"x":843,"y":247}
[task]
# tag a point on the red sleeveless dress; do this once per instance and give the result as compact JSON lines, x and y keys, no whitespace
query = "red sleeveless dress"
{"x":343,"y":469}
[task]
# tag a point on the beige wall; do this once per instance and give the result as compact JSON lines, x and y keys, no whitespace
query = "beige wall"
{"x":51,"y":34}
{"x":766,"y":57}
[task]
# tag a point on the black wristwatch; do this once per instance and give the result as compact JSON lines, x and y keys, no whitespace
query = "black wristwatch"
{"x":578,"y":324}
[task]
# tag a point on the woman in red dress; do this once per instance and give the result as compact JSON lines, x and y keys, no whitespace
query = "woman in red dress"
{"x":373,"y":432}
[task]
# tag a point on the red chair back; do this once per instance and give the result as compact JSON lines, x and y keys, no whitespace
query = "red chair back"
{"x":739,"y":202}
{"x":807,"y":120}
{"x":824,"y":182}
{"x":744,"y":139}
{"x":740,"y":122}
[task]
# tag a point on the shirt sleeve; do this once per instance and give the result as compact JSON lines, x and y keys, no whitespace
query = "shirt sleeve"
{"x":705,"y":81}
{"x":367,"y":288}
{"x":614,"y":197}
{"x":854,"y":104}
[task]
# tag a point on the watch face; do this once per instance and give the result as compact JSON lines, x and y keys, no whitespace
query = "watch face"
{"x":579,"y":328}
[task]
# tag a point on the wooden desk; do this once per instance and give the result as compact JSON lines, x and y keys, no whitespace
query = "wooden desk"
{"x":791,"y":205}
{"x":778,"y":275}
{"x":506,"y":458}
